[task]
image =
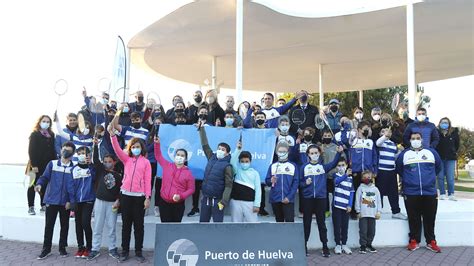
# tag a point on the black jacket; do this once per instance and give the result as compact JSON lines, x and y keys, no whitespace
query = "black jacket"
{"x":41,"y":150}
{"x":310,"y":112}
{"x":108,"y":183}
{"x":448,"y":145}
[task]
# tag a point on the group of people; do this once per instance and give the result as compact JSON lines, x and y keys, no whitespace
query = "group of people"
{"x":111,"y":163}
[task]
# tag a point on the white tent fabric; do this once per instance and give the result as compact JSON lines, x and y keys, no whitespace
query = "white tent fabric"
{"x":282,"y":52}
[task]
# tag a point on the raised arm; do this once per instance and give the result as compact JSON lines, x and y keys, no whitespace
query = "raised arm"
{"x":115,"y":121}
{"x":205,"y":145}
{"x":158,"y":155}
{"x":282,"y":109}
{"x":328,"y":167}
{"x":381,"y":140}
{"x":118,"y":151}
{"x":59,"y":128}
{"x":234,"y":159}
{"x":248,"y":118}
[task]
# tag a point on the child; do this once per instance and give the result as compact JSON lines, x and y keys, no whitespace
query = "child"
{"x":283,"y":135}
{"x":283,"y":178}
{"x":57,"y":198}
{"x":386,"y":180}
{"x":217,"y":182}
{"x":109,"y":179}
{"x":78,"y":138}
{"x":368,"y":207}
{"x":135,"y":192}
{"x":83,"y":176}
{"x":330,"y":150}
{"x":134,"y":131}
{"x":177,"y":185}
{"x":313,"y":184}
{"x":302,"y":159}
{"x":362,"y":153}
{"x":245,"y":196}
{"x":342,"y":205}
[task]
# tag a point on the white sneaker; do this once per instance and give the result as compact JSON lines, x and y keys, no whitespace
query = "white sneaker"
{"x":338,"y":250}
{"x":346,"y":250}
{"x":442,"y":196}
{"x":157,"y":211}
{"x":400,"y":216}
{"x":300,"y":215}
{"x":451,"y":197}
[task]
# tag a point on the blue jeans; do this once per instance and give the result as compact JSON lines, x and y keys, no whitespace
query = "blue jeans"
{"x":447,"y":170}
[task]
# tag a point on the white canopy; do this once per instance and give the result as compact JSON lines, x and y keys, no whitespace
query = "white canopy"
{"x":282,"y":52}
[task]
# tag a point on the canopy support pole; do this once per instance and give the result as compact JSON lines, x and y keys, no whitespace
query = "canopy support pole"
{"x":239,"y":42}
{"x":411,"y":78}
{"x":321,"y":90}
{"x":213,"y":73}
{"x":361,"y":98}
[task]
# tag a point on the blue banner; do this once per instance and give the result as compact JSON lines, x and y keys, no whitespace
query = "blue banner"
{"x":259,"y":142}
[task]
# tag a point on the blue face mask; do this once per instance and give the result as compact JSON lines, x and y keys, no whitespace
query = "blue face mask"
{"x":245,"y":166}
{"x":444,"y":126}
{"x":126,"y":109}
{"x":229,"y":121}
{"x":136,"y":151}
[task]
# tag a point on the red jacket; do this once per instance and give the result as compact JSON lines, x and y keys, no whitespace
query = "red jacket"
{"x":137,"y":171}
{"x":175,"y":180}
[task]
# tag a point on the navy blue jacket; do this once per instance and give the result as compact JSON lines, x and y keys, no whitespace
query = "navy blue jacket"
{"x":428,"y":130}
{"x":362,"y":153}
{"x":287,"y":181}
{"x":418,"y":171}
{"x":60,"y":187}
{"x":83,"y":181}
{"x":317,"y":172}
{"x":213,"y":184}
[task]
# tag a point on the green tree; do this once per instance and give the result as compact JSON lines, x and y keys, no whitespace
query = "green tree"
{"x":466,"y":147}
{"x":372,"y":98}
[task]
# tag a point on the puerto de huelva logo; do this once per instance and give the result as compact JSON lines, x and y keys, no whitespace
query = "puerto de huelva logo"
{"x":182,"y":252}
{"x":180,"y":144}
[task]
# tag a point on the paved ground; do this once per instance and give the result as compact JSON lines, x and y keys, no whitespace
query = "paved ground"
{"x":22,"y":253}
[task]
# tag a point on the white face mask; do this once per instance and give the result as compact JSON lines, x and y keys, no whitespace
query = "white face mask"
{"x":314,"y":157}
{"x":376,"y":117}
{"x":421,"y":118}
{"x":282,"y":155}
{"x":220,"y":154}
{"x":179,"y":160}
{"x":415,"y":143}
{"x":81,"y":158}
{"x":86,"y":131}
{"x":284,"y":128}
{"x":341,"y":170}
{"x":359,"y":116}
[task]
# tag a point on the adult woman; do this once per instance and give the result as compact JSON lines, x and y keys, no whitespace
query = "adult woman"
{"x":135,"y":192}
{"x":177,"y":184}
{"x":358,"y":116}
{"x":447,"y":149}
{"x":40,"y":152}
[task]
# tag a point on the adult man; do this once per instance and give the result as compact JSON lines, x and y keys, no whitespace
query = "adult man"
{"x":333,"y":115}
{"x":310,"y":112}
{"x":139,"y":104}
{"x":422,"y":125}
{"x":272,"y":113}
{"x":70,"y":129}
{"x":217,"y":182}
{"x":418,"y":167}
{"x":134,"y":131}
{"x":96,"y":108}
{"x":192,"y":109}
{"x":229,"y":108}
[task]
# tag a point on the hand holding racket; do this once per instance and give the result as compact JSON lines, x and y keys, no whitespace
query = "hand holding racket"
{"x":298,"y":117}
{"x":81,"y":122}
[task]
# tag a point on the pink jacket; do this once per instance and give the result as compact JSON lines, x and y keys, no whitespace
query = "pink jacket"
{"x":137,"y":171}
{"x":175,"y":180}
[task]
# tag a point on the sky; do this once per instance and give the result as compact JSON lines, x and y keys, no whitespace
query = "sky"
{"x":75,"y":40}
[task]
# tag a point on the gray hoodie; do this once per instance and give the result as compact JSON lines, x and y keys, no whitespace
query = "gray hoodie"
{"x":368,"y":202}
